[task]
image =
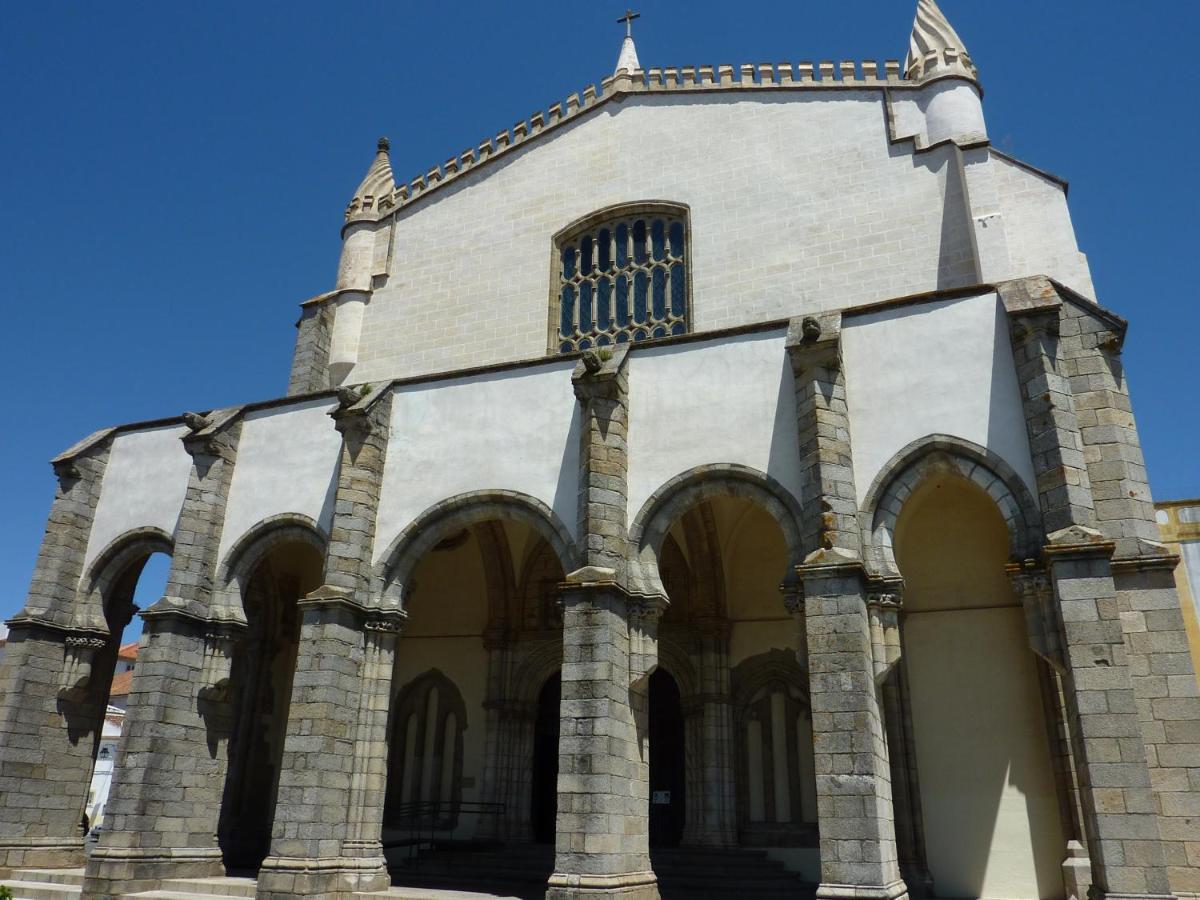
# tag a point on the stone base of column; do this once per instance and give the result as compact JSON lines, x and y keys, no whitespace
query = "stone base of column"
{"x":335,"y":877}
{"x":897,"y":890}
{"x":1101,"y":895}
{"x":40,"y":853}
{"x":628,"y":886}
{"x":116,"y":871}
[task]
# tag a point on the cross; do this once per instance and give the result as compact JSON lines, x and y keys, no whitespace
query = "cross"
{"x":628,"y":18}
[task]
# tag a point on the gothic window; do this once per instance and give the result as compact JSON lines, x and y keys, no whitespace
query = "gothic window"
{"x":425,"y":772}
{"x":776,"y":780}
{"x":622,"y":275}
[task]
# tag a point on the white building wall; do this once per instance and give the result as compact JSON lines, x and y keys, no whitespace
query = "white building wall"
{"x":935,"y":368}
{"x":1041,"y":238}
{"x":144,"y":485}
{"x":726,"y":401}
{"x":514,"y":431}
{"x":801,"y":204}
{"x":286,"y":463}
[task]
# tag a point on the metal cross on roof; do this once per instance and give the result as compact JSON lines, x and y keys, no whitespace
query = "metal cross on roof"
{"x":628,"y":18}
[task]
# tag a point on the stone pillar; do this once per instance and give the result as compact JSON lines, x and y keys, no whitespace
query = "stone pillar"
{"x":715,"y":822}
{"x":1120,"y":820}
{"x":46,"y":749}
{"x":1081,"y":626}
{"x":852,"y":644}
{"x":609,"y":650}
{"x":1160,"y":666}
{"x":326,"y":838}
{"x":310,"y":360}
{"x":850,"y":635}
{"x":602,"y":844}
{"x":167,"y":786}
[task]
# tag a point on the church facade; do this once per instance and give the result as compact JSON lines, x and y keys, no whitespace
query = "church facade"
{"x":785,"y":495}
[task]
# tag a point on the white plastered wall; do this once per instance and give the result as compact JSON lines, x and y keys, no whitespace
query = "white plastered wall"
{"x":144,"y":485}
{"x":514,"y":431}
{"x":286,"y":463}
{"x":1041,"y":238}
{"x":726,"y":401}
{"x":943,"y":367}
{"x":801,"y":204}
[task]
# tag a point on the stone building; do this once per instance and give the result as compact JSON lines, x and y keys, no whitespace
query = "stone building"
{"x":783,"y":496}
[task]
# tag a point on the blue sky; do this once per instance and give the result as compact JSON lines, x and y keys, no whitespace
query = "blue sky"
{"x":174,"y":176}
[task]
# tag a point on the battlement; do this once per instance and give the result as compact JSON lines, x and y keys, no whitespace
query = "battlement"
{"x":784,"y":76}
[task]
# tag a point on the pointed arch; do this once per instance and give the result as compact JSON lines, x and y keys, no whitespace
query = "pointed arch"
{"x":462,"y":511}
{"x":240,"y":562}
{"x":939,"y":453}
{"x":685,"y":491}
{"x":111,"y":565}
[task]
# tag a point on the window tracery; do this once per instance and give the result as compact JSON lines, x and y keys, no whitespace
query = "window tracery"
{"x":622,"y":276}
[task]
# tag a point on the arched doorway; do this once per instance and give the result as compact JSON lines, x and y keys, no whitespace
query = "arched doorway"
{"x":261,"y":681}
{"x":668,"y":763}
{"x":134,"y":577}
{"x":544,"y":799}
{"x":988,"y":804}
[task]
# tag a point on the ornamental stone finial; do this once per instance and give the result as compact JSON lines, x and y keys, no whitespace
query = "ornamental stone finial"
{"x":628,"y":58}
{"x":377,"y":185}
{"x":935,"y":49}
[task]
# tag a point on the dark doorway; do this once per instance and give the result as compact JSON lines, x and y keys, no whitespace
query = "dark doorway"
{"x":545,"y":761}
{"x":667,"y":773}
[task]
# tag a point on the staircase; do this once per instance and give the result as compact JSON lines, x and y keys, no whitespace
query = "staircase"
{"x":513,"y":872}
{"x":66,"y":884}
{"x":521,"y":871}
{"x":45,"y":884}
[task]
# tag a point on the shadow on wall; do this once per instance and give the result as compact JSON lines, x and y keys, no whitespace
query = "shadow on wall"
{"x":956,"y":253}
{"x":990,"y":811}
{"x":783,"y":458}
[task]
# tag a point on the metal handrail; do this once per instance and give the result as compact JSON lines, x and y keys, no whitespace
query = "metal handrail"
{"x":426,"y":820}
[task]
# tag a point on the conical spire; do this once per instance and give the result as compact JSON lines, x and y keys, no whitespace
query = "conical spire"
{"x":935,"y":47}
{"x":376,"y":185}
{"x":628,"y":59}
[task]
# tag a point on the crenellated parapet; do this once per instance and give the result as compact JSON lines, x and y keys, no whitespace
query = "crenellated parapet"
{"x":845,"y":75}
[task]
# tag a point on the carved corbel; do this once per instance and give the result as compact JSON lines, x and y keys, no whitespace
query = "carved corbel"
{"x":353,"y":417}
{"x":206,"y":430}
{"x":645,"y":612}
{"x":884,"y":603}
{"x":597,"y":374}
{"x":814,"y":342}
{"x":219,"y":643}
{"x":1032,"y":585}
{"x":793,"y":600}
{"x":79,"y":659}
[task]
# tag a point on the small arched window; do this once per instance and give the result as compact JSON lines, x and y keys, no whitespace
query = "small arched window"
{"x":425,"y":777}
{"x":776,"y":777}
{"x":622,"y":275}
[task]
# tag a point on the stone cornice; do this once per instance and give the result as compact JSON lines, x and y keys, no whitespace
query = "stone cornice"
{"x":377,"y":389}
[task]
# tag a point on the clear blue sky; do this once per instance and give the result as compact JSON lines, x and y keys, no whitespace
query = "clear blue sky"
{"x":174,"y":176}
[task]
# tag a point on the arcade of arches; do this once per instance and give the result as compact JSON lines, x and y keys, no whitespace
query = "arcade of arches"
{"x":981,"y":785}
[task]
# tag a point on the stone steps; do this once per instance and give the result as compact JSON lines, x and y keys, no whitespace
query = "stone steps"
{"x":684,"y":873}
{"x":222,"y":888}
{"x":45,"y":884}
{"x":41,"y":890}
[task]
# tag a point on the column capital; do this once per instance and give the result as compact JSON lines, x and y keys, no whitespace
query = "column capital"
{"x":370,"y":616}
{"x":1078,"y":541}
